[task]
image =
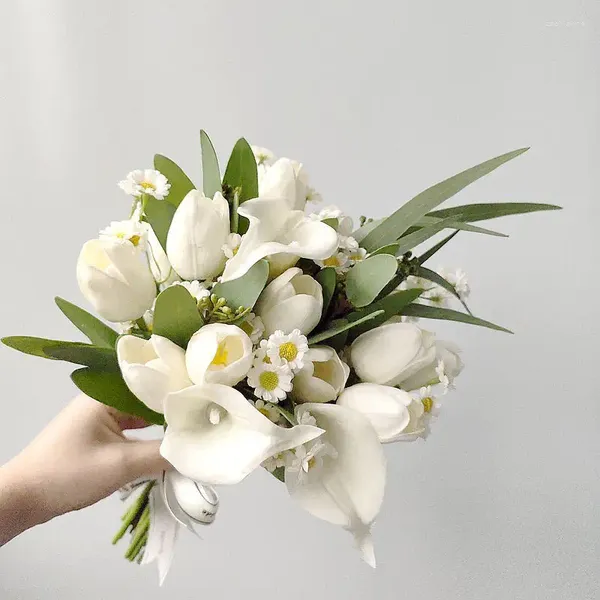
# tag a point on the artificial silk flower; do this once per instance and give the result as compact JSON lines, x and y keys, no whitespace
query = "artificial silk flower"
{"x":219,"y":353}
{"x":346,"y":486}
{"x":287,"y":349}
{"x":308,"y":457}
{"x":161,"y":268}
{"x":323,"y":377}
{"x":444,"y":369}
{"x":217,"y":437}
{"x":276,"y":462}
{"x":270,"y":382}
{"x":339,"y":261}
{"x":116,"y":279}
{"x":230,"y":247}
{"x":254,"y":327}
{"x":387,"y":408}
{"x":345,"y":224}
{"x":291,"y":301}
{"x":390,"y":354}
{"x":152,"y":368}
{"x":275,"y":229}
{"x":199,"y":229}
{"x":197,"y":289}
{"x":286,"y":179}
{"x":146,"y":181}
{"x":130,"y":230}
{"x":268,"y":409}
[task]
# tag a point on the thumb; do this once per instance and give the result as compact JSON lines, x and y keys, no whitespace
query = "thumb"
{"x":143,"y":458}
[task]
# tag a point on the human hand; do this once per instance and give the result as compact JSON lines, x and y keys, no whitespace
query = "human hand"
{"x":81,"y":457}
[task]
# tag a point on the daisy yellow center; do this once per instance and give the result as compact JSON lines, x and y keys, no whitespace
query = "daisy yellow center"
{"x":356,"y":257}
{"x":148,"y":185}
{"x":221,"y":355}
{"x":269,"y":380}
{"x":332,"y":261}
{"x":135,"y":239}
{"x":312,"y":463}
{"x":288,"y":351}
{"x":428,"y":404}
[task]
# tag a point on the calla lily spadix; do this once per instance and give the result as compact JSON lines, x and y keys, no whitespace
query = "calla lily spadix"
{"x":152,"y":368}
{"x":275,"y":228}
{"x":215,"y":436}
{"x":347,"y":488}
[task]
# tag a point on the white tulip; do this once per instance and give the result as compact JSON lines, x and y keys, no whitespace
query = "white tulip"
{"x":152,"y":368}
{"x":389,"y":409}
{"x":346,"y":486}
{"x":391,"y":353}
{"x":198,"y":232}
{"x":291,"y":301}
{"x":446,"y":353}
{"x":323,"y":377}
{"x":276,"y":229}
{"x":163,"y":272}
{"x":219,"y":353}
{"x":215,"y":436}
{"x":114,"y":276}
{"x":286,"y":179}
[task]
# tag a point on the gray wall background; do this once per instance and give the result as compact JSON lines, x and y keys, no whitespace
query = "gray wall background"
{"x":380,"y":100}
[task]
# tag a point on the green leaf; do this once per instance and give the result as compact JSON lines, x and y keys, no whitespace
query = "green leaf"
{"x":159,"y":215}
{"x":409,"y":214}
{"x":176,"y":315}
{"x":446,"y":314}
{"x":109,"y":388}
{"x":389,"y":249}
{"x":181,"y":184}
{"x":458,"y":224}
{"x":408,"y":242}
{"x":98,"y":332}
{"x":333,"y":223}
{"x":96,"y":357}
{"x":211,"y":177}
{"x":245,"y":290}
{"x":482,"y":212}
{"x":368,"y":277}
{"x":279,"y":473}
{"x":35,"y":346}
{"x":444,"y":283}
{"x":429,"y":253}
{"x":345,"y":326}
{"x":362,"y":232}
{"x":328,"y":280}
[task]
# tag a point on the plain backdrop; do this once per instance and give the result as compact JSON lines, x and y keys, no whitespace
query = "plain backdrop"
{"x":379,"y":100}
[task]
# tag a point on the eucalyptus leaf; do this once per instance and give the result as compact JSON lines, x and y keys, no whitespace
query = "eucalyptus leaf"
{"x":410,"y":213}
{"x":211,"y":177}
{"x":482,"y":212}
{"x":336,"y":330}
{"x":245,"y":290}
{"x":181,"y":184}
{"x":389,"y":249}
{"x":97,"y":332}
{"x":362,"y":232}
{"x":109,"y":388}
{"x":429,"y":253}
{"x":279,"y":473}
{"x":333,"y":223}
{"x":408,"y":242}
{"x":96,"y":357}
{"x":328,"y":280}
{"x":442,"y":282}
{"x":159,"y":215}
{"x":368,"y":277}
{"x":176,"y":315}
{"x":446,"y":314}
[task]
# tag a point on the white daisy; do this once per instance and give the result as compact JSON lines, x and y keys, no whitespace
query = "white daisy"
{"x":444,"y":377}
{"x":309,"y":457}
{"x":260,"y":354}
{"x":357,"y":255}
{"x":347,"y":242}
{"x":146,"y":181}
{"x":307,"y":419}
{"x":275,"y":462}
{"x":263,"y":156}
{"x":197,"y":289}
{"x":339,"y":261}
{"x":270,"y":382}
{"x":231,"y":246}
{"x":254,"y":327}
{"x":127,"y":231}
{"x":287,"y":349}
{"x":268,"y":410}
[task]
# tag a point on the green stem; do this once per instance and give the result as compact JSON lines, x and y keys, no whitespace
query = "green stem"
{"x":133,"y":513}
{"x":142,"y":325}
{"x":140,"y":535}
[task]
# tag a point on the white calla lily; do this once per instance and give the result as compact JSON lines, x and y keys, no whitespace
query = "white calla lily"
{"x":347,"y":486}
{"x":392,"y":353}
{"x":215,"y":436}
{"x":198,"y":232}
{"x":152,"y":368}
{"x":219,"y":353}
{"x":114,"y":276}
{"x":276,"y":229}
{"x":291,"y":301}
{"x":387,"y":408}
{"x":323,"y":377}
{"x":446,"y":352}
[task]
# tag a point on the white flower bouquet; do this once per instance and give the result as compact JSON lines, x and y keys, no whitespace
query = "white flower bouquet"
{"x":258,"y":333}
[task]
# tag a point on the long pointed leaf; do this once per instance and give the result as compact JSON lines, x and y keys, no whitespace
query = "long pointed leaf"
{"x":181,"y":184}
{"x":429,"y":253}
{"x":95,"y":357}
{"x":446,"y":314}
{"x":98,"y":332}
{"x":159,"y":215}
{"x":211,"y":177}
{"x":35,"y":346}
{"x":458,"y":224}
{"x":328,"y":280}
{"x":408,"y":242}
{"x":329,"y":333}
{"x":482,"y":212}
{"x":444,"y":283}
{"x":409,"y":214}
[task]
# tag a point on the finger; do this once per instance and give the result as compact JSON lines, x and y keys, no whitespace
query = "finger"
{"x":143,"y":459}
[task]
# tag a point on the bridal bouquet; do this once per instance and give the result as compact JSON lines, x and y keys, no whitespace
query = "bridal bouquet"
{"x":259,"y":332}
